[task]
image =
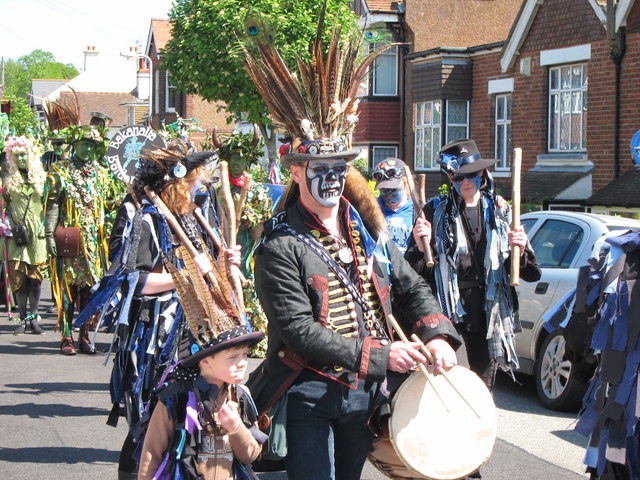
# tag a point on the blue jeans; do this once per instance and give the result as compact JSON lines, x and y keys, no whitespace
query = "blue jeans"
{"x":327,"y":436}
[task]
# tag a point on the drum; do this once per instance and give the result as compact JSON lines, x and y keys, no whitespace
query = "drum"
{"x":439,"y":429}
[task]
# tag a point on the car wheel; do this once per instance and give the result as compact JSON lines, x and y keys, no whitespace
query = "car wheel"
{"x":557,"y":387}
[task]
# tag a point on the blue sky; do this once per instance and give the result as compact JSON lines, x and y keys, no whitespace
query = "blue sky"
{"x":66,"y":27}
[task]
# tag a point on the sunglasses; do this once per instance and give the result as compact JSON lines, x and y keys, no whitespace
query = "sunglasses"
{"x":458,"y":177}
{"x":324,"y":169}
{"x":388,"y":173}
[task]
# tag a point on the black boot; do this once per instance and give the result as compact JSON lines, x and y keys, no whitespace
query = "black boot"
{"x":20,"y":329}
{"x":34,"y":325}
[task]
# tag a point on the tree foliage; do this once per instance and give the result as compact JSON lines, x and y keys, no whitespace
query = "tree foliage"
{"x":204,"y":57}
{"x":23,"y":120}
{"x":37,"y":64}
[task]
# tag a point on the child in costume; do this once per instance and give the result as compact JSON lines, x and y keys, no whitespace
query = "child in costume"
{"x":205,"y":422}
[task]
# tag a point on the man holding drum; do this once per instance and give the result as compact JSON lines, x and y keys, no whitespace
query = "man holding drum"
{"x":326,"y":274}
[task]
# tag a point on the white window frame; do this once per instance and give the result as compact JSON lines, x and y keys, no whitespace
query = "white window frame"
{"x":167,"y":92}
{"x":391,"y":52}
{"x":156,"y":92}
{"x":504,"y":157}
{"x":374,"y":162}
{"x":555,"y":115}
{"x":450,"y":124}
{"x":422,"y":129}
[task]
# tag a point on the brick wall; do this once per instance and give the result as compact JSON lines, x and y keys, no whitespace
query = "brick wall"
{"x":379,"y":122}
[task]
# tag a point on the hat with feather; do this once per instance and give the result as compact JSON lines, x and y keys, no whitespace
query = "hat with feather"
{"x":318,"y":107}
{"x":61,"y":113}
{"x":214,"y":319}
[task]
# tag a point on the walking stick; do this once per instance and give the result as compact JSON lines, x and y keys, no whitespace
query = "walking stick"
{"x":515,"y":215}
{"x":230,"y":226}
{"x":417,"y":207}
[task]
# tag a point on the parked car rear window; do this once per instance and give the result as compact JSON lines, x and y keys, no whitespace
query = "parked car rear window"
{"x":556,"y":243}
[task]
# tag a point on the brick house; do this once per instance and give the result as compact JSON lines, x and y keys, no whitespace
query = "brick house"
{"x":167,"y":102}
{"x":576,"y":152}
{"x":455,"y":49}
{"x":379,"y":130}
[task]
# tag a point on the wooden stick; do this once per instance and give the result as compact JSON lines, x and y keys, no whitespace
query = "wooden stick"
{"x":241,"y":199}
{"x":422,"y":189}
{"x":417,"y":206}
{"x":427,"y":354}
{"x":230,"y":227}
{"x":396,"y":326}
{"x":214,"y":238}
{"x":515,"y":214}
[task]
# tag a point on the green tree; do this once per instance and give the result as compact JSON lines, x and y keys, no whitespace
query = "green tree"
{"x":203,"y":55}
{"x":37,"y":64}
{"x":23,"y":120}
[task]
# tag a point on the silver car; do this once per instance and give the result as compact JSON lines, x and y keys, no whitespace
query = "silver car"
{"x":562,"y":241}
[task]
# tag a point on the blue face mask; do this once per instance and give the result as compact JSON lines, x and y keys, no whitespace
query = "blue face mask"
{"x":195,"y":191}
{"x":477,"y":181}
{"x":391,"y":196}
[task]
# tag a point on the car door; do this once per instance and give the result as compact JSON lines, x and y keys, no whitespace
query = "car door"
{"x":560,"y":242}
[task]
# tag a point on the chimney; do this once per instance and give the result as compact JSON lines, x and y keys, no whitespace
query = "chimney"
{"x":90,"y":57}
{"x":143,"y":78}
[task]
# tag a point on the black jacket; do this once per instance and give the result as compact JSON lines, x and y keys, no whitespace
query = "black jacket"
{"x":292,"y":282}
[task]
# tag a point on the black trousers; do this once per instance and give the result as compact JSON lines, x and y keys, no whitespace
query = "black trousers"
{"x":474,"y":354}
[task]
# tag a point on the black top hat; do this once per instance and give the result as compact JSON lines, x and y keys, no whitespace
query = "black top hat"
{"x":192,"y":350}
{"x":462,"y":156}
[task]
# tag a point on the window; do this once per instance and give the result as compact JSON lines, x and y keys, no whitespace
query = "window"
{"x":556,"y":243}
{"x":381,"y":153}
{"x":385,"y":73}
{"x":457,"y":120}
{"x":503,"y":131}
{"x":170,"y":95}
{"x":428,"y":121}
{"x":568,"y":108}
{"x":156,"y":92}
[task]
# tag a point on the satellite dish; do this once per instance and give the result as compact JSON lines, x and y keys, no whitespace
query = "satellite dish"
{"x":635,"y":148}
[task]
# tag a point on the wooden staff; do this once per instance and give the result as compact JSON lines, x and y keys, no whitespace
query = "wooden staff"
{"x":230,"y":226}
{"x":215,"y":239}
{"x":417,"y":207}
{"x":515,"y":214}
{"x":241,"y":199}
{"x":422,"y":188}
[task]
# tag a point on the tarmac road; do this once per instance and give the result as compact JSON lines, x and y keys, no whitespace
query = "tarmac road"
{"x":53,"y":410}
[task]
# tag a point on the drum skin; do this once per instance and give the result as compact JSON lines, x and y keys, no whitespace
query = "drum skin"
{"x":438,"y":436}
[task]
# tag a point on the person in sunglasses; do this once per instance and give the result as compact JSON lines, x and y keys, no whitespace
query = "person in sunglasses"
{"x":470,"y":235}
{"x":59,"y":150}
{"x":396,"y":205}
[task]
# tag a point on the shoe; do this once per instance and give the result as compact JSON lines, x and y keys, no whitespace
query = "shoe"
{"x":86,"y":348}
{"x":66,"y":346}
{"x":35,"y":326}
{"x":19,"y":330}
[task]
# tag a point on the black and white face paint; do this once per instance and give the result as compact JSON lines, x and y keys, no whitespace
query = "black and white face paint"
{"x":325,"y":181}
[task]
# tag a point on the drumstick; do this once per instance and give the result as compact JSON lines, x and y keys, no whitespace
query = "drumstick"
{"x":427,"y":354}
{"x":417,"y":206}
{"x":421,"y":367}
{"x":515,"y":215}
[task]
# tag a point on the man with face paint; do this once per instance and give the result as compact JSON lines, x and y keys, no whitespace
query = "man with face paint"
{"x":396,"y":205}
{"x":470,"y":229}
{"x":326,"y":274}
{"x":59,"y":151}
{"x":76,"y":196}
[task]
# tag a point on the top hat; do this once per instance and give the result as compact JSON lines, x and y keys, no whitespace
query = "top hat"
{"x":192,"y":349}
{"x":462,"y":156}
{"x":161,"y":166}
{"x":389,"y":173}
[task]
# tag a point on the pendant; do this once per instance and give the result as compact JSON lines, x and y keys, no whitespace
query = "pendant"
{"x":345,"y":255}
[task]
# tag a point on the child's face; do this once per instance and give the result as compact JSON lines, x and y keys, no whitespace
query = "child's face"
{"x":227,"y":366}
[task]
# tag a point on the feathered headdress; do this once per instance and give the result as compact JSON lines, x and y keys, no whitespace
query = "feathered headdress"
{"x":319,"y":107}
{"x":61,"y":113}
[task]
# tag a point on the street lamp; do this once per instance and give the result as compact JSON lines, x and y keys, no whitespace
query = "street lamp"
{"x":136,"y":55}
